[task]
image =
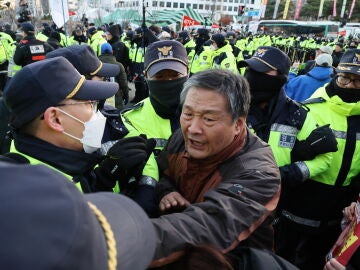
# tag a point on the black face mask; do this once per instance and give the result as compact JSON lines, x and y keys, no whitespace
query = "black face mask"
{"x":165,"y":96}
{"x":200,"y":41}
{"x":349,"y":95}
{"x":137,"y":39}
{"x":263,"y":87}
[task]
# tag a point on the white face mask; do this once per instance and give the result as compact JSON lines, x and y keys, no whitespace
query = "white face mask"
{"x":93,"y":131}
{"x":212,"y":47}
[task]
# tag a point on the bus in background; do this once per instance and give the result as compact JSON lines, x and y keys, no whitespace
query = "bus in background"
{"x":291,"y":27}
{"x":352,"y":29}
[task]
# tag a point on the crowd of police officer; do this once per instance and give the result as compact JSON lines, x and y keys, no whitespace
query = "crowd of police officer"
{"x":304,"y":147}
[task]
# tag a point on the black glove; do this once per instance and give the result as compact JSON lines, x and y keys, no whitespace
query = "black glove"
{"x":320,"y":141}
{"x":291,"y":176}
{"x":124,"y":156}
{"x":128,"y":187}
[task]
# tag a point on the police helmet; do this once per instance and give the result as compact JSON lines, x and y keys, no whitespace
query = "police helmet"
{"x":130,"y":34}
{"x":183,"y":37}
{"x":203,"y":33}
{"x":230,"y":35}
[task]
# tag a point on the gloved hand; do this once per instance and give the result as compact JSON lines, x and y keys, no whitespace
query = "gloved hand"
{"x":291,"y":176}
{"x":123,"y":157}
{"x":128,"y":184}
{"x":320,"y":141}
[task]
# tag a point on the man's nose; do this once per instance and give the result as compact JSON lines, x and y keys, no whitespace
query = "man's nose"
{"x":195,"y":125}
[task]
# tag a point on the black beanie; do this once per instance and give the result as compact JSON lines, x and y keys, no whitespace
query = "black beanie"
{"x":219,"y":39}
{"x":114,"y":30}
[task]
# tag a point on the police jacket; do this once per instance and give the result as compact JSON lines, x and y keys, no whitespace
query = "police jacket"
{"x":144,"y":118}
{"x":189,"y":46}
{"x":281,"y":125}
{"x":6,"y":47}
{"x":95,"y":42}
{"x":329,"y":192}
{"x":224,"y":58}
{"x":116,"y":128}
{"x":75,"y":165}
{"x":30,"y":50}
{"x":201,"y":59}
{"x":233,"y":212}
{"x":136,"y":55}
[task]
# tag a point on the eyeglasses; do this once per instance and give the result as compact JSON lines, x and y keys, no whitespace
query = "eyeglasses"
{"x":96,"y":78}
{"x":94,"y":104}
{"x":346,"y":80}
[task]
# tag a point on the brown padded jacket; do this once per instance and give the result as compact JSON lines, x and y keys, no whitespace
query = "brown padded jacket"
{"x":236,"y":212}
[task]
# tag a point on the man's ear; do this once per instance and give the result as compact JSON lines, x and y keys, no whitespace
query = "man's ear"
{"x":53,"y":119}
{"x":239,"y":125}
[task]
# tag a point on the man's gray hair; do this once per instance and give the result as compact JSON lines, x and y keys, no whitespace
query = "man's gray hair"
{"x":233,"y":87}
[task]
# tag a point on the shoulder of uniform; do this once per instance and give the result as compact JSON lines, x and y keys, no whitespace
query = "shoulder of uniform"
{"x":134,"y":107}
{"x":114,"y":119}
{"x":297,"y":114}
{"x":313,"y":100}
{"x":109,"y":111}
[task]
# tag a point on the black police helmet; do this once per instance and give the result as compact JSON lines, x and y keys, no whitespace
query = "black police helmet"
{"x":183,"y":36}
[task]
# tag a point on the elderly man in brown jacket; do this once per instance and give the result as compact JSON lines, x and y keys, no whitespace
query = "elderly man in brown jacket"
{"x":220,"y":182}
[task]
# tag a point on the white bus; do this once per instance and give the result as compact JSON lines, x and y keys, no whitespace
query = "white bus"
{"x":289,"y":27}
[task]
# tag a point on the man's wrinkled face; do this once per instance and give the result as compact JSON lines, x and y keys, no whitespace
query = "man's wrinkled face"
{"x":206,"y":123}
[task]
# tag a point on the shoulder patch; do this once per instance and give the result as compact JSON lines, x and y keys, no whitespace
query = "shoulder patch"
{"x":109,"y":111}
{"x":313,"y":100}
{"x":134,"y":107}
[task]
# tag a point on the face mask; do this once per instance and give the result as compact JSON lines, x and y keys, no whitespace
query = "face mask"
{"x":263,"y":87}
{"x":212,"y":47}
{"x":137,"y":39}
{"x":349,"y":95}
{"x":199,"y":41}
{"x":165,"y":95}
{"x":93,"y":131}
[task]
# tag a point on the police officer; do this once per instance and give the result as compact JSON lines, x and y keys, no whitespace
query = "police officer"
{"x":301,"y":149}
{"x":56,"y":123}
{"x":45,"y":32}
{"x":201,"y":55}
{"x":223,"y":56}
{"x":231,"y":38}
{"x":7,"y":46}
{"x":319,"y":202}
{"x":141,"y":39}
{"x":95,"y":39}
{"x":184,"y":38}
{"x":137,"y":184}
{"x":30,"y":49}
{"x":78,"y":37}
{"x":166,"y":70}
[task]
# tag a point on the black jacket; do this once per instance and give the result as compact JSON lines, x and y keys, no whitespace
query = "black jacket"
{"x":31,"y":50}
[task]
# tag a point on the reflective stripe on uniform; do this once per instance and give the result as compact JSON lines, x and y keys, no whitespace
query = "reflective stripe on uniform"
{"x":304,"y":169}
{"x":284,"y":129}
{"x":160,"y":142}
{"x":300,"y":220}
{"x":147,"y":181}
{"x":339,"y":134}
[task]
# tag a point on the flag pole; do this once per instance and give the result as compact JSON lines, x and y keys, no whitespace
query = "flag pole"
{"x":63,"y":11}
